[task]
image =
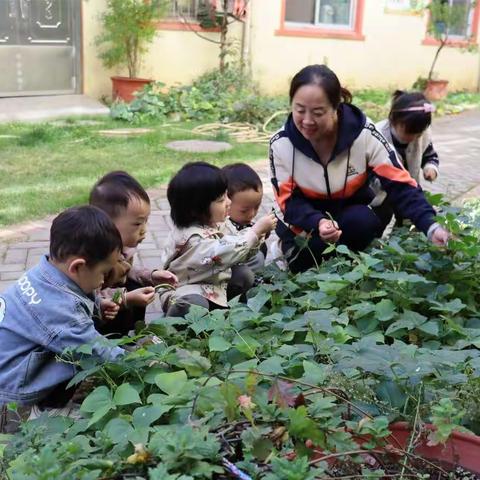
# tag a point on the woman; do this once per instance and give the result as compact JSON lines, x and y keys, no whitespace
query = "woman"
{"x":320,"y":165}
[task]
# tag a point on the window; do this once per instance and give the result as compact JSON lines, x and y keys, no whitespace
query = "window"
{"x":399,"y":5}
{"x":462,"y":28}
{"x":188,"y":9}
{"x":322,"y":13}
{"x":189,"y":15}
{"x":322,"y":18}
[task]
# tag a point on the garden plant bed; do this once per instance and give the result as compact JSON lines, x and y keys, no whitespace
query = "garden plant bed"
{"x":305,"y":381}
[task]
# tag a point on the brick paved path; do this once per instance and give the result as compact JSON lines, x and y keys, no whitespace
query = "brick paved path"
{"x":456,"y":138}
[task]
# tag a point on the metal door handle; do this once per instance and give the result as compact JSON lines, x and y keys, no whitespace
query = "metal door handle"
{"x":22,"y":11}
{"x":12,"y":11}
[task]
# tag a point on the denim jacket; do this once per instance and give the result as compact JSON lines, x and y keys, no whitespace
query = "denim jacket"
{"x":41,"y":315}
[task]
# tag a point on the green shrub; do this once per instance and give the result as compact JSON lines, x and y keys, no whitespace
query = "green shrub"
{"x":227,"y":97}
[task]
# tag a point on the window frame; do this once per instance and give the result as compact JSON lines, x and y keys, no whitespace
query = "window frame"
{"x":178,"y":24}
{"x":458,"y":40}
{"x":324,"y":30}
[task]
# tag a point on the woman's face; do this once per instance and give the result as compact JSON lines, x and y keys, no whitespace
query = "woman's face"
{"x":313,"y":114}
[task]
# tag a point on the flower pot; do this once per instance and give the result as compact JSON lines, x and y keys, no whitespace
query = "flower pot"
{"x":124,"y":88}
{"x":460,"y":450}
{"x":436,"y":89}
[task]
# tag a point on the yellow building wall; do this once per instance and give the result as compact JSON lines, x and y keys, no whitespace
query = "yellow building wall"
{"x":392,"y":54}
{"x":175,"y":57}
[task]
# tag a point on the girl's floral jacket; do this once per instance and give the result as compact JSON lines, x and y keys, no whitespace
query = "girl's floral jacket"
{"x":201,"y":258}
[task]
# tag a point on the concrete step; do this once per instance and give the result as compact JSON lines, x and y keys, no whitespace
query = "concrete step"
{"x":32,"y":109}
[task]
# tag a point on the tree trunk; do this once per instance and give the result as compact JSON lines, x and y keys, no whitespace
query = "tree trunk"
{"x":223,"y":36}
{"x":439,"y":49}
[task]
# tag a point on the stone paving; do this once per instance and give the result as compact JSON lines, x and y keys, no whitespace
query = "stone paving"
{"x":456,"y":138}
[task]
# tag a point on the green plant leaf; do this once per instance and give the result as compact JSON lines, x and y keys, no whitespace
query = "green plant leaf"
{"x":218,"y":344}
{"x":145,"y":416}
{"x":272,"y":365}
{"x":385,"y":310}
{"x":171,"y":383}
{"x":100,"y":398}
{"x":126,"y":395}
{"x":118,"y":429}
{"x":313,"y":373}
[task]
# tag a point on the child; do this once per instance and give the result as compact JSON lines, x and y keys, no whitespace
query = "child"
{"x":408,"y":130}
{"x":199,"y":253}
{"x":245,"y":192}
{"x":128,"y":205}
{"x":50,"y":308}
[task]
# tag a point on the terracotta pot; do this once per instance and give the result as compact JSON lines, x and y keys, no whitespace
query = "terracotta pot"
{"x":123,"y":88}
{"x":436,"y":89}
{"x":461,"y":449}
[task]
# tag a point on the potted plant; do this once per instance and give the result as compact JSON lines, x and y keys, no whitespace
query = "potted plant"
{"x":128,"y":28}
{"x":445,"y":18}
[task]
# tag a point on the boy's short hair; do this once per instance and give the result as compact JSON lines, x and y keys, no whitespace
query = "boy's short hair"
{"x":414,"y":121}
{"x":113,"y":192}
{"x":85,"y":232}
{"x":191,"y":191}
{"x":241,"y":177}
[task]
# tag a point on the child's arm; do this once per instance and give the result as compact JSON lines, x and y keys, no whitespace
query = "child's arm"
{"x":203,"y":255}
{"x":75,"y":329}
{"x":150,"y":278}
{"x":430,"y":163}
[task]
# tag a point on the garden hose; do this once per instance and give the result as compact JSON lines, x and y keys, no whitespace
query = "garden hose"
{"x":239,"y":131}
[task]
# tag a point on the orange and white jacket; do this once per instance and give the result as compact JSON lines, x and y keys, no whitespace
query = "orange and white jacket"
{"x":306,"y":190}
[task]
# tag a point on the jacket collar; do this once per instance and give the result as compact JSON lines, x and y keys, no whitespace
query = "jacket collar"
{"x":52,"y":273}
{"x":351,"y":121}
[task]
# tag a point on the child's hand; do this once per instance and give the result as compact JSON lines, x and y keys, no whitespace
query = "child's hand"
{"x":429,"y":174}
{"x":440,"y":236}
{"x":329,"y":231}
{"x":164,"y":276}
{"x":265,"y":225}
{"x":141,"y":297}
{"x":108,"y":309}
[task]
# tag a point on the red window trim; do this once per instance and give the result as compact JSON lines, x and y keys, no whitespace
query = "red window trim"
{"x":183,"y":27}
{"x":319,"y":32}
{"x":456,"y":42}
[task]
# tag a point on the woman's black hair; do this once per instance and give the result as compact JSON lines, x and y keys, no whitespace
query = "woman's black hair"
{"x":191,"y":191}
{"x":414,"y":121}
{"x":322,"y":76}
{"x":85,"y":232}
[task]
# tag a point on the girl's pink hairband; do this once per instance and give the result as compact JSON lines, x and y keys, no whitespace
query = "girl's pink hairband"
{"x":426,"y":107}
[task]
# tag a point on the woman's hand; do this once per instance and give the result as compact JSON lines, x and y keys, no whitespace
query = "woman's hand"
{"x":440,"y":236}
{"x":141,"y":297}
{"x":265,"y":225}
{"x":429,"y":174}
{"x":329,"y":231}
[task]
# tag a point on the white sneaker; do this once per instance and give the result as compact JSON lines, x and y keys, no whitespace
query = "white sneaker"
{"x":70,"y":410}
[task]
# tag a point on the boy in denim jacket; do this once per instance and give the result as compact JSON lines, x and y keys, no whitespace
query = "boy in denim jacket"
{"x":50,"y":308}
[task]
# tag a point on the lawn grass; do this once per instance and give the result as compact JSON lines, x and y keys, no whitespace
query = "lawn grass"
{"x":47,"y":168}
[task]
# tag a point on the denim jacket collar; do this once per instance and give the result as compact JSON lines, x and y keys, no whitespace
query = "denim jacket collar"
{"x":57,"y":277}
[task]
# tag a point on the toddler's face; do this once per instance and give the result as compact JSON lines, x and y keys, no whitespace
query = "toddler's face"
{"x":219,"y":209}
{"x":132,"y":223}
{"x":403,"y":136}
{"x":89,"y":278}
{"x":245,"y":205}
